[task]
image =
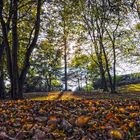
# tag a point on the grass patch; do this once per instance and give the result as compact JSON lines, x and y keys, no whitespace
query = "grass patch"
{"x":130,"y":88}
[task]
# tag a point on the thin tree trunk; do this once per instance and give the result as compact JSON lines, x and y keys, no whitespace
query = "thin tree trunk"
{"x":114,"y":68}
{"x":79,"y":88}
{"x":65,"y":58}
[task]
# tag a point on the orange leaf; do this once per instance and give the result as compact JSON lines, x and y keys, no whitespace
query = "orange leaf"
{"x":124,"y":128}
{"x":42,"y":111}
{"x":122,"y":110}
{"x":92,"y":108}
{"x":109,"y":116}
{"x":53,"y":118}
{"x":82,"y":120}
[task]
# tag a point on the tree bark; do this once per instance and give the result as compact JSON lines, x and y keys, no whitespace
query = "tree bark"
{"x":15,"y":89}
{"x":65,"y":56}
{"x":2,"y":86}
{"x":103,"y":79}
{"x":114,"y":67}
{"x":102,"y":73}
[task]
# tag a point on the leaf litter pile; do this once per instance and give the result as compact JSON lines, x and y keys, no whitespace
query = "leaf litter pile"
{"x":70,"y":120}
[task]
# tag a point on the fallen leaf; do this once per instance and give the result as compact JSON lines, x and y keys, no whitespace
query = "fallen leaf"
{"x":82,"y":120}
{"x":116,"y":134}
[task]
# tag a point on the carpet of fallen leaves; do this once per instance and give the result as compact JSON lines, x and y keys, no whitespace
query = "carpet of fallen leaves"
{"x":74,"y":119}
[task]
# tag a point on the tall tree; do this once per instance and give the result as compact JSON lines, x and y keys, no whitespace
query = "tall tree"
{"x":89,"y":16}
{"x":17,"y":77}
{"x":102,"y":20}
{"x":66,"y":18}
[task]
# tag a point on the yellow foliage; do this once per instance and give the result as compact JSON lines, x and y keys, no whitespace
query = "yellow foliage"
{"x":116,"y":134}
{"x":27,"y":126}
{"x":133,"y":115}
{"x":131,"y":124}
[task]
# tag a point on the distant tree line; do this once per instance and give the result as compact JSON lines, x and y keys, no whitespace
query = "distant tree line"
{"x":122,"y":80}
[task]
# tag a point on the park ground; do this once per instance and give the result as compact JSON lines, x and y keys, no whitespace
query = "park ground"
{"x":72,"y":116}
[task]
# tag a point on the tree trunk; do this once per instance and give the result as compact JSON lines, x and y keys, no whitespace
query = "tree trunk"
{"x":107,"y":66}
{"x":15,"y":89}
{"x":102,"y":74}
{"x":103,"y":79}
{"x":86,"y":82}
{"x":99,"y":53}
{"x":2,"y":86}
{"x":65,"y":61}
{"x":78,"y":80}
{"x":49,"y":83}
{"x":114,"y":68}
{"x":101,"y":68}
{"x":20,"y":87}
{"x":100,"y":36}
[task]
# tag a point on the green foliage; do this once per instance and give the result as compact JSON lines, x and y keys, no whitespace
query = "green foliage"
{"x":88,"y":88}
{"x":46,"y":62}
{"x":137,"y":26}
{"x":56,"y":83}
{"x":79,"y":61}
